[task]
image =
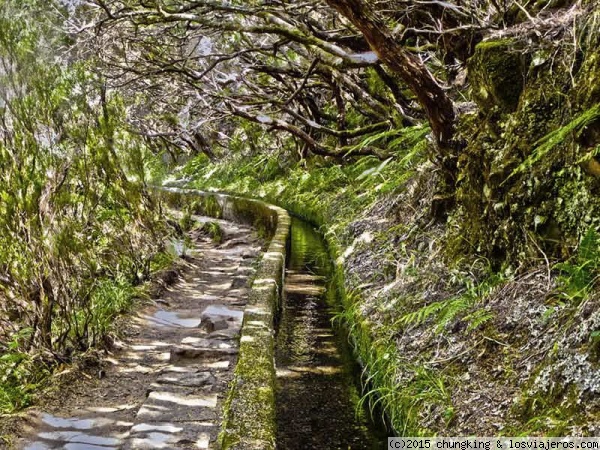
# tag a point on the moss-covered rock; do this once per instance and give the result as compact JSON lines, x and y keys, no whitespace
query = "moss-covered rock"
{"x":521,"y":186}
{"x":496,"y":73}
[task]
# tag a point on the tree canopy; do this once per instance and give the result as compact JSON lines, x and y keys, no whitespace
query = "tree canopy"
{"x":327,"y":72}
{"x":300,"y":67}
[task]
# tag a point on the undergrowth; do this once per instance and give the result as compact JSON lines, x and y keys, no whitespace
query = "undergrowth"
{"x":399,"y":404}
{"x":467,"y":304}
{"x":579,"y":274}
{"x":23,"y":373}
{"x":321,"y":191}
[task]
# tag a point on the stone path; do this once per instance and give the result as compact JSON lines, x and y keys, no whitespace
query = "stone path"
{"x":165,"y":387}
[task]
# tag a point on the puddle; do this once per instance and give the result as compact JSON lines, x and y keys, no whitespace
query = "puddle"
{"x":74,"y":423}
{"x":317,"y":396}
{"x":73,"y":433}
{"x":79,"y":438}
{"x":86,"y":447}
{"x":173,"y":319}
{"x":71,"y":440}
{"x":220,"y":310}
{"x":68,"y":446}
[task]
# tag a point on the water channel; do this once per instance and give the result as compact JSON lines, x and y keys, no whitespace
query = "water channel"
{"x":317,"y":377}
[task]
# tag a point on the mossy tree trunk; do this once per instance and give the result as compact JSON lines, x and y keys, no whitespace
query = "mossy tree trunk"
{"x":438,"y":106}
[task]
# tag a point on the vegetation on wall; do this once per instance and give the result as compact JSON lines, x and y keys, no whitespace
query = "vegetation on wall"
{"x":485,"y":322}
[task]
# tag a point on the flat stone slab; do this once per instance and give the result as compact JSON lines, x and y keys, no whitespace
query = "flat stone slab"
{"x":204,"y":342}
{"x":240,"y":293}
{"x":228,"y":334}
{"x":195,"y":380}
{"x":213,"y":366}
{"x":153,"y":435}
{"x":239,"y":281}
{"x":183,"y":319}
{"x":189,"y":352}
{"x":163,"y":411}
{"x":223,"y":311}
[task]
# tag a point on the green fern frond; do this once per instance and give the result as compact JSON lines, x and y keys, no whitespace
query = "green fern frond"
{"x":394,"y":140}
{"x":556,"y":137}
{"x":579,"y":274}
{"x":478,"y":318}
{"x":421,"y":315}
{"x":452,"y":309}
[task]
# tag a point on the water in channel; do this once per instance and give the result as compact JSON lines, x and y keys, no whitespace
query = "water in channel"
{"x":317,"y":393}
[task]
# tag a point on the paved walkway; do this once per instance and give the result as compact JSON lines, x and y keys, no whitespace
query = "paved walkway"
{"x":165,"y":387}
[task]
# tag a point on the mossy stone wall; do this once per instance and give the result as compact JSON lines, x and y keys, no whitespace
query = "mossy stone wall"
{"x":496,"y":73}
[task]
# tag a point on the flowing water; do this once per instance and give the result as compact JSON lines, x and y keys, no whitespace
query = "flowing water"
{"x":317,"y":394}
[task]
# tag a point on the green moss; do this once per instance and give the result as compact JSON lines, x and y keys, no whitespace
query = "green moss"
{"x":210,"y":206}
{"x":496,"y":72}
{"x":588,"y":77}
{"x":249,"y":415}
{"x":558,"y":137}
{"x":551,"y":413}
{"x":186,"y":222}
{"x":521,"y":188}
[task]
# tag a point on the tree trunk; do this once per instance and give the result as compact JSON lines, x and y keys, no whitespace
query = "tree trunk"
{"x":438,"y":106}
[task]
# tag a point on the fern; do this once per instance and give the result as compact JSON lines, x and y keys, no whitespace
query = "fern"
{"x":578,"y":275}
{"x":556,"y":137}
{"x":421,"y":315}
{"x":394,"y":140}
{"x":453,"y":308}
{"x":445,"y":311}
{"x":373,"y":170}
{"x":478,"y":318}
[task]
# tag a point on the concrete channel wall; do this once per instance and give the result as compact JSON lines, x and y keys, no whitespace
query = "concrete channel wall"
{"x":249,"y":417}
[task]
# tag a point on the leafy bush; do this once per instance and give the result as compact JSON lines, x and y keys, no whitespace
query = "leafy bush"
{"x":77,"y":228}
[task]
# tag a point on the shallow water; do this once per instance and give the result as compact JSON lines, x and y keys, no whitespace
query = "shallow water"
{"x":173,"y":319}
{"x":74,"y":434}
{"x":220,"y":310}
{"x":317,"y":379}
{"x":74,"y":423}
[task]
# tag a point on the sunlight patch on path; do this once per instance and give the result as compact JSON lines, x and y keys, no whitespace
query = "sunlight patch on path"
{"x":164,"y":388}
